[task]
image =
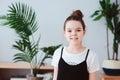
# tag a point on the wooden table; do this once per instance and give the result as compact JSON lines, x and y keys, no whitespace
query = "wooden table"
{"x":20,"y":69}
{"x":107,"y":77}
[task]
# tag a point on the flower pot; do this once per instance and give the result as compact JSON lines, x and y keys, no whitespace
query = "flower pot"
{"x":31,"y":77}
{"x":111,"y":67}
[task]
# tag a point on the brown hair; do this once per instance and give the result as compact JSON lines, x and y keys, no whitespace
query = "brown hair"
{"x":77,"y":16}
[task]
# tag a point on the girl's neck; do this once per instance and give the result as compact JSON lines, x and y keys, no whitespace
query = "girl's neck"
{"x":75,"y":48}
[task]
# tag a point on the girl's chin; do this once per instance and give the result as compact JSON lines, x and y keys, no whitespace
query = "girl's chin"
{"x":75,"y":43}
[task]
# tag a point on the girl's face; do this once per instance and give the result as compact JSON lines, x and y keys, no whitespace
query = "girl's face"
{"x":74,"y":32}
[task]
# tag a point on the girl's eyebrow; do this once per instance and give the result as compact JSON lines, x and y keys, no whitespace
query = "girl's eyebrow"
{"x":78,"y":28}
{"x":69,"y":28}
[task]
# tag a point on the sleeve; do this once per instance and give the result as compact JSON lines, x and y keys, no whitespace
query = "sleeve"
{"x":56,"y":57}
{"x":93,"y":62}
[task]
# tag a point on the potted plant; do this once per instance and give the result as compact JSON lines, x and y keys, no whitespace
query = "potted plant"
{"x":110,"y":11}
{"x":22,"y":19}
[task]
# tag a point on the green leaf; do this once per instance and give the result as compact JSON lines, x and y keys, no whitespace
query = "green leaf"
{"x":98,"y":17}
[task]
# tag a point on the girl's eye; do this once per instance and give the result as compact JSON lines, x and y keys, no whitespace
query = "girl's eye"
{"x":69,"y":31}
{"x":78,"y":30}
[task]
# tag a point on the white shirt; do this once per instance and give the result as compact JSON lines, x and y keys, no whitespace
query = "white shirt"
{"x":73,"y":59}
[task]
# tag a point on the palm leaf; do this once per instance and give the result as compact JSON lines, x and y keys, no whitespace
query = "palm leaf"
{"x":22,"y":57}
{"x":21,"y":18}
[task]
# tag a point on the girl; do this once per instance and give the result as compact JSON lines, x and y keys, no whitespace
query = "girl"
{"x":75,"y":61}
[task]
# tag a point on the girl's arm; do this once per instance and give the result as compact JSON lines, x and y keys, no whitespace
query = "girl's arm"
{"x":93,"y":76}
{"x":55,"y":73}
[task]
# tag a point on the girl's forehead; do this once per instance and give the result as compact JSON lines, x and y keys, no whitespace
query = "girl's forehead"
{"x":73,"y":24}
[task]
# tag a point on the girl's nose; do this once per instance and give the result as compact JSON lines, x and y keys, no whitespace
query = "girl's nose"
{"x":73,"y":32}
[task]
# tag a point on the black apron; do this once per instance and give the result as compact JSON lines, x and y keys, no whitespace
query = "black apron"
{"x":72,"y":72}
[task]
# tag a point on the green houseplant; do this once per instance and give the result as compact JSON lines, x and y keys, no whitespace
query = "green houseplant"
{"x":50,"y":49}
{"x":110,"y":11}
{"x":22,"y":19}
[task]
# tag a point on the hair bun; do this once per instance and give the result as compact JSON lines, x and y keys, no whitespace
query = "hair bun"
{"x":77,"y":13}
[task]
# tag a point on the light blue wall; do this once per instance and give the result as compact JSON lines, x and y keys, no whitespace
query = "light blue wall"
{"x":51,"y":15}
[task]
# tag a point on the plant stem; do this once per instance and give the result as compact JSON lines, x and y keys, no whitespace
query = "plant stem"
{"x":107,"y":43}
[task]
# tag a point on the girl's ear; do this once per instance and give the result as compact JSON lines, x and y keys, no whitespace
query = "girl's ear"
{"x":84,"y":32}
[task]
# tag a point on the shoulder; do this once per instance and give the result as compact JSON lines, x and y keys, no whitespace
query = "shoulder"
{"x":57,"y":52}
{"x":56,"y":56}
{"x":92,"y":56}
{"x":92,"y":53}
{"x":93,"y":61}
